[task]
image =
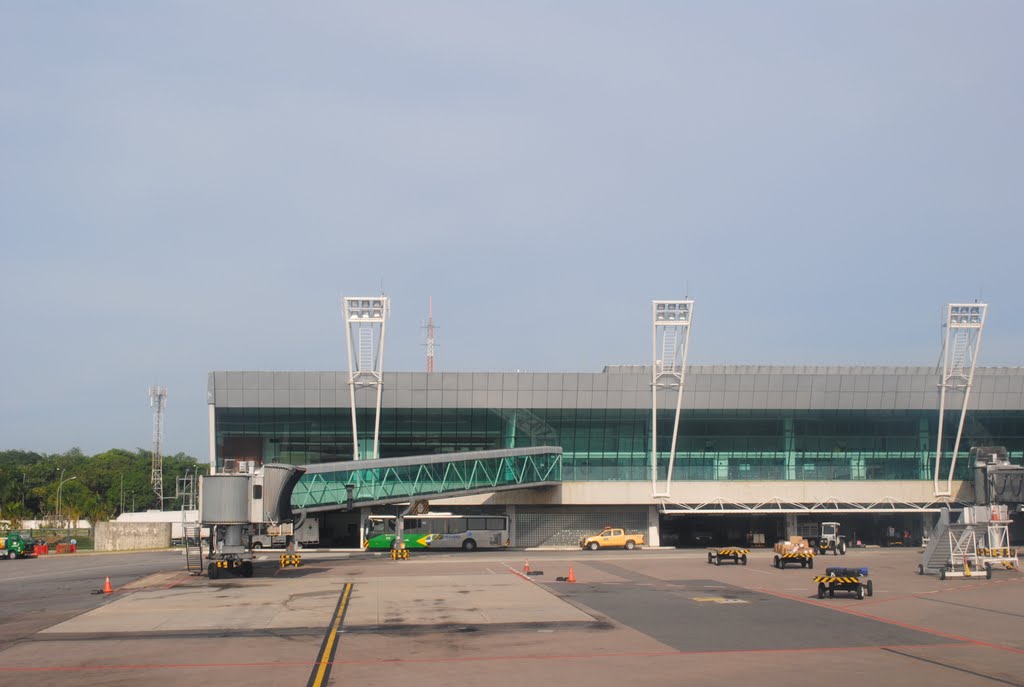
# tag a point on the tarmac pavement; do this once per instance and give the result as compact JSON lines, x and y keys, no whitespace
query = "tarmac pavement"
{"x":654,"y":617}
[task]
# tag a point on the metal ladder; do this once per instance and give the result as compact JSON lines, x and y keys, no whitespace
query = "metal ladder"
{"x":669,"y":346}
{"x":193,"y":549}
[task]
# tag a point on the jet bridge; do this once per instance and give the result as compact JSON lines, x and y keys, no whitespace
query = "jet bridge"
{"x":357,"y":483}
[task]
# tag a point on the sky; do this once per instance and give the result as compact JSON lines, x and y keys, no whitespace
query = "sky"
{"x":188,"y":187}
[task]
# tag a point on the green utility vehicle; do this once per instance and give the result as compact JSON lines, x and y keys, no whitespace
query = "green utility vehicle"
{"x":16,"y":547}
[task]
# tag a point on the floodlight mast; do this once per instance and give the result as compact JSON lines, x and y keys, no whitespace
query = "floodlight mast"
{"x":670,"y":328}
{"x":964,"y":324}
{"x":365,"y":320}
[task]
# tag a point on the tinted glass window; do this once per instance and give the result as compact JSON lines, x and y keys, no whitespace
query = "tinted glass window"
{"x":456,"y":526}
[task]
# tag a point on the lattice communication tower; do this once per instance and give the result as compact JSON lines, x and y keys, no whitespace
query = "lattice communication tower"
{"x":430,"y":334}
{"x":158,"y":401}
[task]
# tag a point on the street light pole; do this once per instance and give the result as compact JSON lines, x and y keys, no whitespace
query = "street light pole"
{"x":59,"y":487}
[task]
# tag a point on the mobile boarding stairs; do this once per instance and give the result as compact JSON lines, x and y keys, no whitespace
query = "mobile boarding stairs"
{"x":973,"y":546}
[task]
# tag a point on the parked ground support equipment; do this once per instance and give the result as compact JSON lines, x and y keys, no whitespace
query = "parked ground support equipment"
{"x":737,"y":556}
{"x":292,"y":559}
{"x":1000,"y":557}
{"x":234,"y":566}
{"x":804,"y":558}
{"x":844,"y":580}
{"x":831,"y":540}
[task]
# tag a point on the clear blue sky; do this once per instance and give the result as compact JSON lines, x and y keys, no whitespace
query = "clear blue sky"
{"x":187,"y":187}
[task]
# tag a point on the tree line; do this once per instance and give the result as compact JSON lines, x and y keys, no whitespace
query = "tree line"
{"x":96,"y":488}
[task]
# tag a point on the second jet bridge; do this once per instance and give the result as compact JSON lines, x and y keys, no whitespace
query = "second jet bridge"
{"x":353,"y":484}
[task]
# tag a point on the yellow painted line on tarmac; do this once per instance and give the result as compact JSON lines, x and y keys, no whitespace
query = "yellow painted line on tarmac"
{"x":325,"y":659}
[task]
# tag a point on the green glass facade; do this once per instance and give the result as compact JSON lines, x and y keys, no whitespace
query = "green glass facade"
{"x":609,"y":444}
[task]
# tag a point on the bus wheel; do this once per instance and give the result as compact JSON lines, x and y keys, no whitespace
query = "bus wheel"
{"x":468,"y":545}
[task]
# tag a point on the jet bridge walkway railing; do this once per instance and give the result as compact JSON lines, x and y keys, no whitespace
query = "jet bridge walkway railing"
{"x":326,"y":486}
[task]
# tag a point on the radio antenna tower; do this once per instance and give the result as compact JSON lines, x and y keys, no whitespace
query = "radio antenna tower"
{"x":158,"y":401}
{"x":430,"y":334}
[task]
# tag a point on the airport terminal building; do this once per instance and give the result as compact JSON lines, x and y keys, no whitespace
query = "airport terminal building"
{"x":759,"y":449}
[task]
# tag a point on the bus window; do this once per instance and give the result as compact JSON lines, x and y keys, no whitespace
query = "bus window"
{"x":476,"y":523}
{"x":456,"y":526}
{"x":495,"y":523}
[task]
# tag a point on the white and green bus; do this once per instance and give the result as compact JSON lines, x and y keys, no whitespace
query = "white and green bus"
{"x":438,"y":531}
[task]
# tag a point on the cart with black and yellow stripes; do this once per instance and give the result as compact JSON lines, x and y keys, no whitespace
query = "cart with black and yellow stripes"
{"x":844,"y":580}
{"x":737,"y":556}
{"x":804,"y":558}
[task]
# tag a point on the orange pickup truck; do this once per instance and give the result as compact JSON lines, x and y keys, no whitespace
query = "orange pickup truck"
{"x":612,"y":537}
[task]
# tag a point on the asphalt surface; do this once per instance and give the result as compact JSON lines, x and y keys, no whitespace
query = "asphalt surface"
{"x":39,"y":592}
{"x":651,"y":617}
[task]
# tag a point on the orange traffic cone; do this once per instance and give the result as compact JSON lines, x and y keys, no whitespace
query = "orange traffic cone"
{"x":572,"y":576}
{"x":526,"y":567}
{"x":107,"y":589}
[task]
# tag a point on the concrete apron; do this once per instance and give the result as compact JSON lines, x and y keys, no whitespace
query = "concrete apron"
{"x":309,"y":602}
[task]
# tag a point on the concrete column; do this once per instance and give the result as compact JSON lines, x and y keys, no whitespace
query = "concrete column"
{"x":510,"y":511}
{"x":928,"y":522}
{"x":791,"y":530}
{"x":364,"y":513}
{"x":653,"y":533}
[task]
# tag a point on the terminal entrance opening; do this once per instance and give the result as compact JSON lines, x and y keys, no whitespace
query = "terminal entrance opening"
{"x":756,"y":530}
